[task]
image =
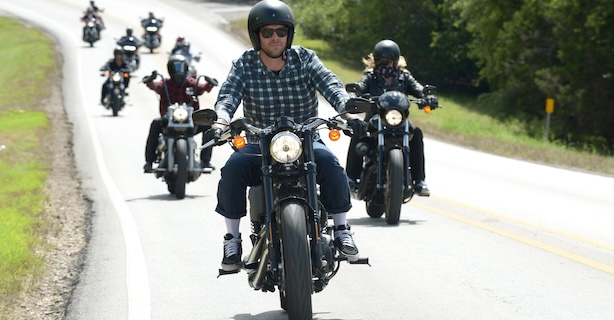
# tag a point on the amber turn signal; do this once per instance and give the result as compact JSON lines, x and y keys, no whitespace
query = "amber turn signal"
{"x":334,"y":135}
{"x":238,"y":142}
{"x":427,"y":109}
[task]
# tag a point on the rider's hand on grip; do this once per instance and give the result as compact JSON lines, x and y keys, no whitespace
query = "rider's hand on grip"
{"x":150,"y":78}
{"x":212,"y":81}
{"x":359,"y":127}
{"x":212,"y":134}
{"x":432,"y":101}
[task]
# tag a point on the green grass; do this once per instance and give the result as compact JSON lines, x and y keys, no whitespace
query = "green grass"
{"x":27,"y":63}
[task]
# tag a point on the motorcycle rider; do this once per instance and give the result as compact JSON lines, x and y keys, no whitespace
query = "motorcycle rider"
{"x":129,"y":39}
{"x":150,"y":21}
{"x":385,"y":71}
{"x":90,"y":13}
{"x":178,"y":43}
{"x":177,"y":67}
{"x":276,"y":79}
{"x":117,"y":63}
{"x":96,"y":11}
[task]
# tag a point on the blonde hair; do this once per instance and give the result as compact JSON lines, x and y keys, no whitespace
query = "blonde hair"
{"x":369,"y":62}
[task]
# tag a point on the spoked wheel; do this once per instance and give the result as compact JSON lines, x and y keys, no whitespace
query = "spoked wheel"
{"x":296,"y":298}
{"x":394,"y":186}
{"x":181,"y":159}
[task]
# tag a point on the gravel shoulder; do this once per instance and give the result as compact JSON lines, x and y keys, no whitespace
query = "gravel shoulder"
{"x":66,"y":216}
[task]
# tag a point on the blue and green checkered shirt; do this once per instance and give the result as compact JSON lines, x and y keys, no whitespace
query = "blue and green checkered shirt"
{"x":292,"y":92}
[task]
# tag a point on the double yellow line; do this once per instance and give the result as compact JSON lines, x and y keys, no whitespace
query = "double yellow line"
{"x":565,"y":254}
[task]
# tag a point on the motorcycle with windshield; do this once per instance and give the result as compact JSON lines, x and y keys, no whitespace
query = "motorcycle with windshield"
{"x":176,"y":152}
{"x":292,"y":240}
{"x":152,"y":38}
{"x":386,"y":181}
{"x":116,"y":90}
{"x":91,"y":30}
{"x":130,"y":46}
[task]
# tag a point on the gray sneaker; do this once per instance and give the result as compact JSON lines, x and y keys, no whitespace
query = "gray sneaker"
{"x":422,"y":189}
{"x":232,"y":253}
{"x":345,"y":243}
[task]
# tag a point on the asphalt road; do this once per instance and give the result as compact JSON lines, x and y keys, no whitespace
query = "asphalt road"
{"x":498,"y":238}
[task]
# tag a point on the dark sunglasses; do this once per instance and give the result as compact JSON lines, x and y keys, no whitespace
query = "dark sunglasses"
{"x":268,"y":32}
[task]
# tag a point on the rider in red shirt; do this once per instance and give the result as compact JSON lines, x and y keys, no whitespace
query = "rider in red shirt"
{"x":172,"y":90}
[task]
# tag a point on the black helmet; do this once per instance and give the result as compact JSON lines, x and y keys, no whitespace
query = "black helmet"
{"x":386,"y":49}
{"x":118,"y":50}
{"x":177,"y":68}
{"x":129,"y":32}
{"x":268,"y":12}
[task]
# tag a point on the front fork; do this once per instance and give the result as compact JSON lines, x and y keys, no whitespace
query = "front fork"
{"x":381,"y":149}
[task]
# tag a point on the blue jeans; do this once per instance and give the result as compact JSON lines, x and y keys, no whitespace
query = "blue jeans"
{"x":241,"y":171}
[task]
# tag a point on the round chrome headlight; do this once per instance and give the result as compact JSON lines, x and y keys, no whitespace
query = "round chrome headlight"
{"x":393,"y":117}
{"x":116,"y":77}
{"x":90,"y":24}
{"x":286,"y":147}
{"x":180,"y":115}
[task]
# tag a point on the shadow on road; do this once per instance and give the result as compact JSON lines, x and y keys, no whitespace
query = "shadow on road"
{"x":381,"y":222}
{"x":165,"y":197}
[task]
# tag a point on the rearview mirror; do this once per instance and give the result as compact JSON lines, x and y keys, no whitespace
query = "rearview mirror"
{"x":351,"y":87}
{"x":204,"y":117}
{"x":357,"y":105}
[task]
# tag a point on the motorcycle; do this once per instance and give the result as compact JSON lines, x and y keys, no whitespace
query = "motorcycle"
{"x":176,"y":151}
{"x":386,"y":181}
{"x":91,"y":31}
{"x":152,"y":38}
{"x":116,"y":90}
{"x":292,"y":240}
{"x":131,"y":47}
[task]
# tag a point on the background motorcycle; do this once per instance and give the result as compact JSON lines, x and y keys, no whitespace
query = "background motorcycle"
{"x":176,"y":152}
{"x":386,"y":181}
{"x":192,"y":59}
{"x":292,"y":241}
{"x":91,"y":31}
{"x":152,"y":38}
{"x":131,"y":52}
{"x":116,"y":90}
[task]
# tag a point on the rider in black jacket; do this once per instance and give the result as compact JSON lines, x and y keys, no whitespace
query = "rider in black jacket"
{"x":115,"y":64}
{"x":385,"y":71}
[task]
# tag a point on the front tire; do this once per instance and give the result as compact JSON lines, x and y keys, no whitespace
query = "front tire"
{"x":296,"y":299}
{"x":181,"y":159}
{"x":394,"y":186}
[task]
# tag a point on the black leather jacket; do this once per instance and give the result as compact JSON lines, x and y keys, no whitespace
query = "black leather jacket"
{"x":375,"y":85}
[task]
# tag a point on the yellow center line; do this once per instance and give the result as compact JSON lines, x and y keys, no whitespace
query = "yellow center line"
{"x":534,"y":243}
{"x":528,"y":224}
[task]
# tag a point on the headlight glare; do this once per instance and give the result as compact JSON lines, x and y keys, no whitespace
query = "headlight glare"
{"x":286,"y":147}
{"x":393,"y":117}
{"x":180,"y":115}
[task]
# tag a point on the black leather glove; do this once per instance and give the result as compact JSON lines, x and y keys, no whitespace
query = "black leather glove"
{"x":150,"y":78}
{"x":432,"y":101}
{"x":212,"y":134}
{"x":212,"y":81}
{"x":358,"y":126}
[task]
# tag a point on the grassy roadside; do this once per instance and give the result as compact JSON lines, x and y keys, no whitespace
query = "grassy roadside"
{"x":458,"y":124}
{"x":27,"y":59}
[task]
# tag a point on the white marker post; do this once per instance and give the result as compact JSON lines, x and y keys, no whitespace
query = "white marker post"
{"x":549,"y":111}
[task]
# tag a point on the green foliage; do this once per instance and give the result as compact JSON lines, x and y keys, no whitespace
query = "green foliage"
{"x":519,"y":51}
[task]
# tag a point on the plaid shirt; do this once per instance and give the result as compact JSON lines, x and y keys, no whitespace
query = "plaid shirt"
{"x":266,"y":95}
{"x":177,"y":92}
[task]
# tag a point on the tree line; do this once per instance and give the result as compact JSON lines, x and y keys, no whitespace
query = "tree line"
{"x":513,"y":54}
